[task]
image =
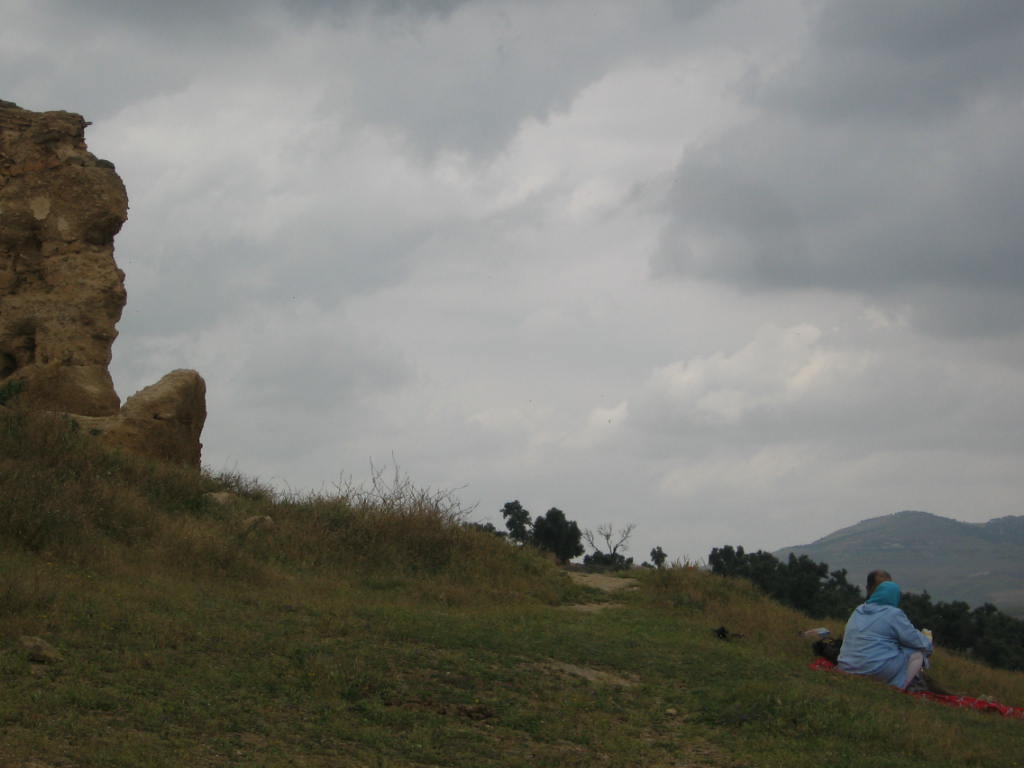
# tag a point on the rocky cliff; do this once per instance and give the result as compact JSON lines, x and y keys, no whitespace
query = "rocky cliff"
{"x":61,"y":293}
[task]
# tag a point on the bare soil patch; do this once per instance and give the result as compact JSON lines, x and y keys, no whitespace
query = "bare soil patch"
{"x":592,"y":607}
{"x":603,"y":581}
{"x":595,"y":676}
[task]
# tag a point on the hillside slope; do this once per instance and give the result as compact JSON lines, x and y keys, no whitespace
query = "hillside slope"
{"x":951,"y":560}
{"x":376,"y":629}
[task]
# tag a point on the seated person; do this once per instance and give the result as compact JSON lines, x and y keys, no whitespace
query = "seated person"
{"x":880,"y":641}
{"x":875,"y":578}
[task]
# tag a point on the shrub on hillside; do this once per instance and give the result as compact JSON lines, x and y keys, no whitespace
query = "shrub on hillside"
{"x":61,"y":493}
{"x":64,"y":493}
{"x":605,"y":561}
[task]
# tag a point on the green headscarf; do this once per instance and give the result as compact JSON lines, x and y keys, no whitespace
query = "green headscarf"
{"x":886,"y":593}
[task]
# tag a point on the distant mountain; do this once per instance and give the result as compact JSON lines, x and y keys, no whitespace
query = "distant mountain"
{"x":973,"y":562}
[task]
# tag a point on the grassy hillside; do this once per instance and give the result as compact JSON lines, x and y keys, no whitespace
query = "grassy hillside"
{"x":377,"y":630}
{"x":951,"y":560}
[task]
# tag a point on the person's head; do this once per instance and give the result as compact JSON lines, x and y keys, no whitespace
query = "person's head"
{"x":886,"y":593}
{"x":875,"y":578}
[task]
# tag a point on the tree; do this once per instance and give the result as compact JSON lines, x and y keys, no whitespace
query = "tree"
{"x":985,"y":632}
{"x":800,"y":582}
{"x":608,"y":555}
{"x":487,"y":528}
{"x":606,"y":533}
{"x":658,"y":557}
{"x":726,"y":561}
{"x":517,"y":520}
{"x":556,"y":534}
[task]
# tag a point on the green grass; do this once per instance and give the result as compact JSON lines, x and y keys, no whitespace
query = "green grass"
{"x":373,"y":629}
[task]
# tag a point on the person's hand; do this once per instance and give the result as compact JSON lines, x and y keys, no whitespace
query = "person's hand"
{"x":927,"y":633}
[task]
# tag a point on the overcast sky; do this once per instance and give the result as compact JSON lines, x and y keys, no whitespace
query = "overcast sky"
{"x":738,"y":272}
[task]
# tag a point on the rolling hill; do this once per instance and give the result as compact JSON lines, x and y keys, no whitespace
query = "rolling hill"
{"x":950,"y":559}
{"x":155,"y":614}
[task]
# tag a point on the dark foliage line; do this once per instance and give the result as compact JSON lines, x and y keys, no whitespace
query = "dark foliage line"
{"x":551,"y":532}
{"x":555,"y":533}
{"x":799,"y":583}
{"x":984,"y":633}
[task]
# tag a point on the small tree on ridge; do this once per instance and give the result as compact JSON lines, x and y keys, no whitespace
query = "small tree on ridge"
{"x":517,"y":520}
{"x":556,"y":534}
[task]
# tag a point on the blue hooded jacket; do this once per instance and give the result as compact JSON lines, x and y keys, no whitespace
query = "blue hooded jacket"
{"x":879,"y":638}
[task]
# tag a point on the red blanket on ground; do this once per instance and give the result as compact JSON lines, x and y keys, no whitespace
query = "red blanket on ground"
{"x":966,"y":702}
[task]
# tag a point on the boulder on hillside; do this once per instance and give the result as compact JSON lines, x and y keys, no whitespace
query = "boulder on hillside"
{"x":163,"y":421}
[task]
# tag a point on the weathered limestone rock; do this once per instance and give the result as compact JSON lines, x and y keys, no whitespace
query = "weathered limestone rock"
{"x":163,"y":421}
{"x":61,"y":293}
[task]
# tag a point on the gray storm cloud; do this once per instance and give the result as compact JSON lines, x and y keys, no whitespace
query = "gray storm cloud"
{"x":882,"y":161}
{"x":737,"y":272}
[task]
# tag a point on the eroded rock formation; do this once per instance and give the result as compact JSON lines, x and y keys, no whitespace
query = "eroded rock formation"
{"x":61,"y":293}
{"x":164,"y":420}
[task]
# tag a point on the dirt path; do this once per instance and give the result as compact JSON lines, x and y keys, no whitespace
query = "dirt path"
{"x":603,"y":582}
{"x":594,"y":676}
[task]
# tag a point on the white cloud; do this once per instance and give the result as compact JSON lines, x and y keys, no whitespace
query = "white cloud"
{"x":778,"y":370}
